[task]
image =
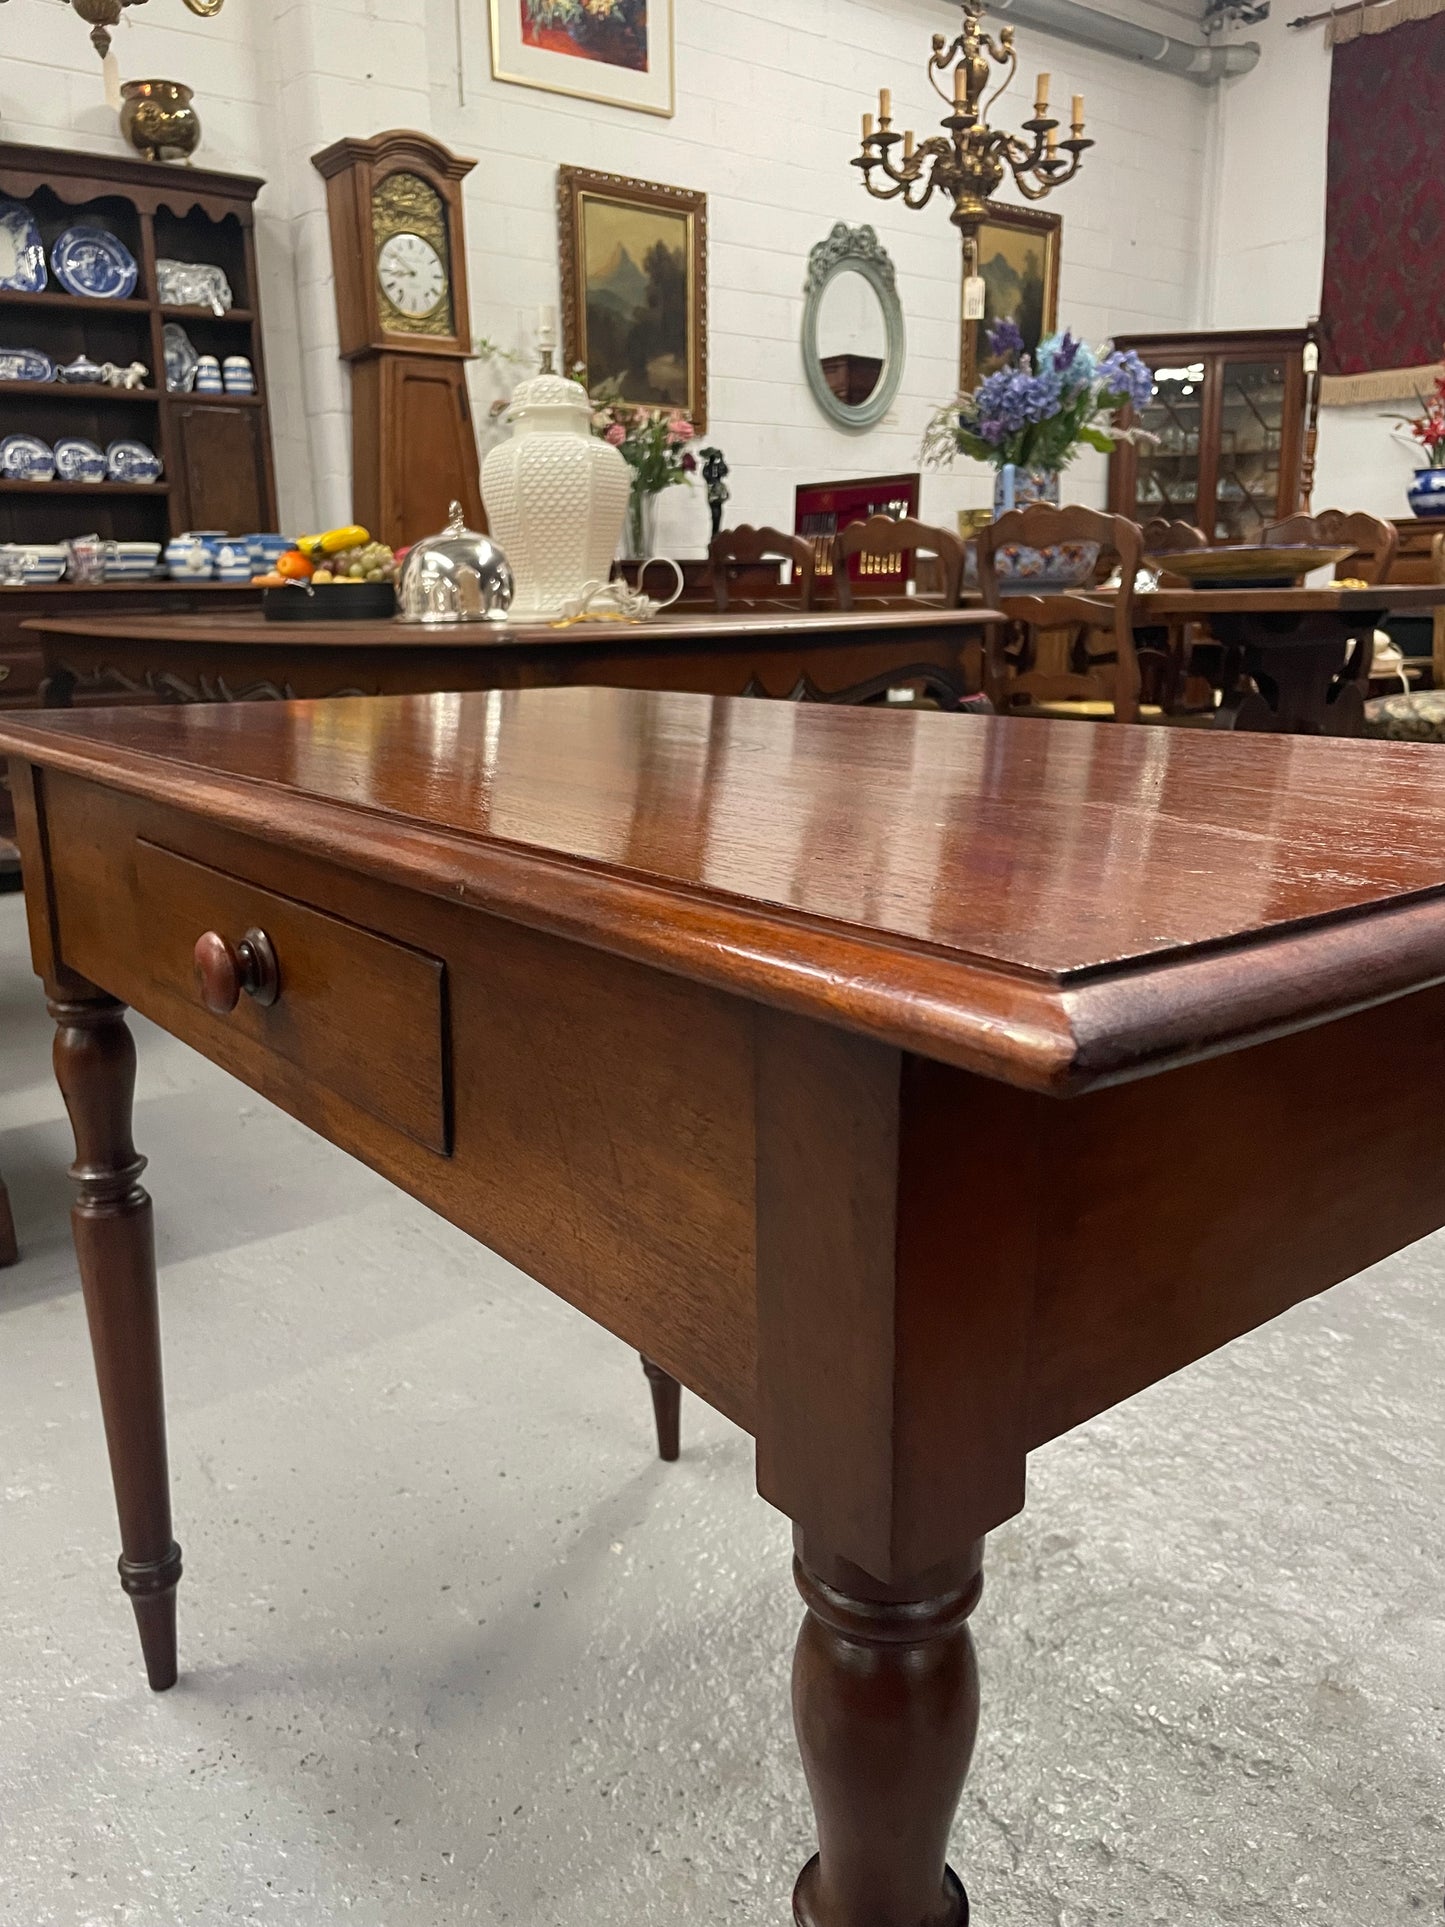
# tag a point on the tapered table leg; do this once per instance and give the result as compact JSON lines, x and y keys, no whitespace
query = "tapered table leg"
{"x":9,"y":1250}
{"x":114,"y":1243}
{"x":885,"y":1701}
{"x":666,"y":1409}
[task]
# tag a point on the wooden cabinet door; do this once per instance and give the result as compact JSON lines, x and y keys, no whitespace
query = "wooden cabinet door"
{"x":222,"y":479}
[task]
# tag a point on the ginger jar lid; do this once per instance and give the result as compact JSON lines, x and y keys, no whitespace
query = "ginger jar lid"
{"x":550,"y":395}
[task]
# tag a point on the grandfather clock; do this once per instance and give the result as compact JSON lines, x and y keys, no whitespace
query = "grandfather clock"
{"x":399,"y":256}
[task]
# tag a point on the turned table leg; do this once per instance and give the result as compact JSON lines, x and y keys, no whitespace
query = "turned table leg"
{"x":885,"y":1702}
{"x":666,"y":1408}
{"x":111,"y":1219}
{"x":9,"y":1249}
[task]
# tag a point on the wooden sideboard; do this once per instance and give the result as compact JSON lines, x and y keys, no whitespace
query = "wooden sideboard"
{"x":219,"y":468}
{"x":22,"y":663}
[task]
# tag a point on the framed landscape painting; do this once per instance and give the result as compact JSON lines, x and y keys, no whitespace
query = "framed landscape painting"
{"x":618,"y":51}
{"x":634,"y":289}
{"x":1018,"y":256}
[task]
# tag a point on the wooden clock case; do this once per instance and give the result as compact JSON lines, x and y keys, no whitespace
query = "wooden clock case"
{"x":414,"y":447}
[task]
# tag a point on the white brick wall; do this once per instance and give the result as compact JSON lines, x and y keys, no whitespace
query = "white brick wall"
{"x":769,"y":99}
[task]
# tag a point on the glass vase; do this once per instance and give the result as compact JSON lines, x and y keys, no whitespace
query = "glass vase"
{"x":1015,"y":487}
{"x":642,"y":524}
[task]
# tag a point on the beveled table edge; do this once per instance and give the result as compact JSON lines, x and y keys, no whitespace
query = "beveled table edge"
{"x":704,"y":627}
{"x":1056,"y":1034}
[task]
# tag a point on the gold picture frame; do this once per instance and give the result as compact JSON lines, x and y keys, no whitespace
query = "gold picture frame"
{"x":1009,"y":242}
{"x":623,"y":318}
{"x":520,"y":56}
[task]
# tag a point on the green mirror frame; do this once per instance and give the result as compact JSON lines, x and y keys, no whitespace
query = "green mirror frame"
{"x":854,"y":250}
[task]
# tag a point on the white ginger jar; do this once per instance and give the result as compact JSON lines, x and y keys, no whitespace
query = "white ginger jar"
{"x":556,"y":497}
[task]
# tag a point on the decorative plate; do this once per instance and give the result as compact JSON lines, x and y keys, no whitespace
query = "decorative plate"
{"x":182,"y":361}
{"x":132,"y":462}
{"x":194,"y":284}
{"x":25,"y":364}
{"x":22,"y":252}
{"x":91,"y":261}
{"x":77,"y":460}
{"x":25,"y":458}
{"x":1245,"y":567}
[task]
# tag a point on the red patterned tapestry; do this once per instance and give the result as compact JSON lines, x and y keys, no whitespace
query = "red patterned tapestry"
{"x":1382,"y":311}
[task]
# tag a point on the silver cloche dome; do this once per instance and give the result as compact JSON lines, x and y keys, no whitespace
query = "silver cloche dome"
{"x":457,"y":576}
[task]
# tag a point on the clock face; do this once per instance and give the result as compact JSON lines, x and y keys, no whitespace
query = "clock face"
{"x":412,"y":274}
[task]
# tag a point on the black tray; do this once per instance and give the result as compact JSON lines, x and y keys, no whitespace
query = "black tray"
{"x":330,"y":602}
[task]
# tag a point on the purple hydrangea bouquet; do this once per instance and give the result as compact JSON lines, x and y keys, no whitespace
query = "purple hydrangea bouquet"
{"x":1035,"y":412}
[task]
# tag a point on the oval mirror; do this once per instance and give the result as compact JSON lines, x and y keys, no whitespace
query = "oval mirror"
{"x":853,"y":341}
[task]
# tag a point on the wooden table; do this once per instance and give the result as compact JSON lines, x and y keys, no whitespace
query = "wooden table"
{"x":1295,"y":645}
{"x":748,"y":1030}
{"x":22,"y":665}
{"x":827,"y":656}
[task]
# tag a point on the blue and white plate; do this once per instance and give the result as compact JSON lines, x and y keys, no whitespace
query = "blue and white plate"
{"x":91,"y":261}
{"x":25,"y":458}
{"x":22,"y":252}
{"x":132,"y":462}
{"x":25,"y":364}
{"x":182,"y":361}
{"x":77,"y":460}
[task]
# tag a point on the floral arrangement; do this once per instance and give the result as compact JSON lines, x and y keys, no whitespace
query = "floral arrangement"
{"x":1038,"y":411}
{"x":1428,"y":427}
{"x":652,"y":442}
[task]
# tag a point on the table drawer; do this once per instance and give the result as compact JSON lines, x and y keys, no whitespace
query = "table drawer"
{"x":346,"y":1008}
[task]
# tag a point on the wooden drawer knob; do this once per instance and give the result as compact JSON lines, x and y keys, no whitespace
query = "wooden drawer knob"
{"x":223,"y":972}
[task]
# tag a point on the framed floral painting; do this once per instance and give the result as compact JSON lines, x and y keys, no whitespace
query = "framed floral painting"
{"x":1018,"y":257}
{"x":634,"y":289}
{"x":618,"y":51}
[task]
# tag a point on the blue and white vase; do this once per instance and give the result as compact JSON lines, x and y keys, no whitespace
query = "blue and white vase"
{"x":1023,"y":488}
{"x":1426,"y":494}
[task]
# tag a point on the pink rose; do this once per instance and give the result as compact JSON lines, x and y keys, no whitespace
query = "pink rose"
{"x":617,"y":435}
{"x":679,"y":429}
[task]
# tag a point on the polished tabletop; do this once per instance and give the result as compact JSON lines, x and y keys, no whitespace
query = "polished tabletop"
{"x":983,"y":889}
{"x":1404,"y":598}
{"x":694,"y":625}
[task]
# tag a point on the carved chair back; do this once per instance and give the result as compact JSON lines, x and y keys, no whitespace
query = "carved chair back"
{"x":1099,"y":626}
{"x":1163,"y":537}
{"x":883,"y":538}
{"x":1370,"y":535}
{"x":742,"y":546}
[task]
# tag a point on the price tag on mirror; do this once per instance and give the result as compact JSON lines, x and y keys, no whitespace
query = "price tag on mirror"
{"x":973,"y":293}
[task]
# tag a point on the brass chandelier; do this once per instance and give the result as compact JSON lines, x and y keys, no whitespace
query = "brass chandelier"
{"x":968,"y":161}
{"x":102,"y":15}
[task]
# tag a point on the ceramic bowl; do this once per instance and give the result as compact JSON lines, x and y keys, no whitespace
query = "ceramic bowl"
{"x":1026,"y":571}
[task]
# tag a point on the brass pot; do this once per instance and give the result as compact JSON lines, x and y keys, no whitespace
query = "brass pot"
{"x":158,"y":119}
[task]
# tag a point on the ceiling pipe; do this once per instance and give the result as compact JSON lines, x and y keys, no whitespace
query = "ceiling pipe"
{"x":1205,"y":64}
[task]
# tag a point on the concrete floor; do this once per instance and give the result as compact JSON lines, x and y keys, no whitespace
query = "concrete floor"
{"x":456,"y":1648}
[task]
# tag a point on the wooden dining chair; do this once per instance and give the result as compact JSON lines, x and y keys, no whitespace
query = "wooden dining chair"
{"x":1098,"y":626}
{"x":882,"y":538}
{"x":743,"y":546}
{"x":1163,"y":537}
{"x":1373,"y":538}
{"x":1179,"y":663}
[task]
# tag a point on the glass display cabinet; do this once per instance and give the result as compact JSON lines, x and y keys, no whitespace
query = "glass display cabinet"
{"x":1234,"y":417}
